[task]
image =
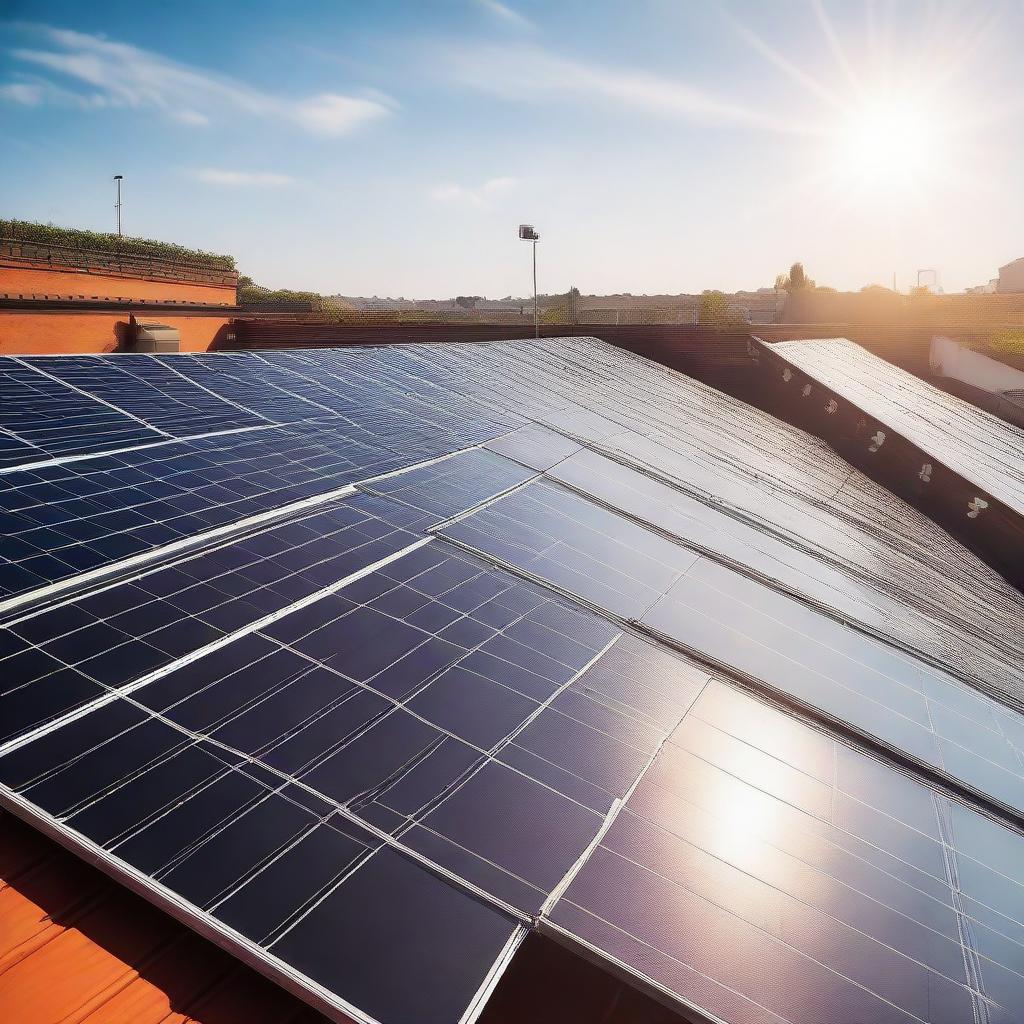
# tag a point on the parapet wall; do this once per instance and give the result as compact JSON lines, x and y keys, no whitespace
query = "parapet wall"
{"x":42,"y":282}
{"x":81,"y":331}
{"x":33,"y":270}
{"x":60,"y":299}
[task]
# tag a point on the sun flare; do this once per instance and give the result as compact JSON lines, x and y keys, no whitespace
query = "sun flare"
{"x":888,"y":145}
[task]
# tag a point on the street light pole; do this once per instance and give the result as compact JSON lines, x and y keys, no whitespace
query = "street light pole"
{"x":536,"y":311}
{"x":528,"y":234}
{"x":117,"y":205}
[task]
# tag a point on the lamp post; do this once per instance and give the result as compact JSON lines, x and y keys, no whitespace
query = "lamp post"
{"x":528,"y":234}
{"x":117,"y":205}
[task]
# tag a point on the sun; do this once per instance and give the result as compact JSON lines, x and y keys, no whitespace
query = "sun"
{"x":890,"y":144}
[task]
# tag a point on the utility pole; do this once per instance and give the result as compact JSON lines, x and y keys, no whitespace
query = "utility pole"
{"x":117,"y":205}
{"x":536,"y":311}
{"x":528,"y":234}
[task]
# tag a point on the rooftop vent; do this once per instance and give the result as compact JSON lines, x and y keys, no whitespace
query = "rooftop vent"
{"x":154,"y":337}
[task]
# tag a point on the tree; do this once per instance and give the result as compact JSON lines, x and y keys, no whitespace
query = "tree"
{"x":796,"y":280}
{"x":713,"y":310}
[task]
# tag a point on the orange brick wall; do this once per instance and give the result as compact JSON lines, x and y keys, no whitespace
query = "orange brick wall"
{"x":40,"y":333}
{"x":21,"y":280}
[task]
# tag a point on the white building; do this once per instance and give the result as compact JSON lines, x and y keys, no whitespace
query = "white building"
{"x":1011,"y":277}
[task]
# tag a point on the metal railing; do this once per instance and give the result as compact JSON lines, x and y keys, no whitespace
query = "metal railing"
{"x":61,"y":257}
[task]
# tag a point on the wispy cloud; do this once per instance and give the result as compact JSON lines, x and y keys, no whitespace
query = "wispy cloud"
{"x":331,"y":114}
{"x":533,"y":74}
{"x":479,"y":196}
{"x":504,"y":13}
{"x":28,"y":94}
{"x":241,"y":179}
{"x":35,"y":92}
{"x":121,"y":75}
{"x":189,"y":117}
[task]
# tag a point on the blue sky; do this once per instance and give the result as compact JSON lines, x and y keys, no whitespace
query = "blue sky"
{"x":392,"y":148}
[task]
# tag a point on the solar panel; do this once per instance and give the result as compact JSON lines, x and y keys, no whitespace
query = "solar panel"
{"x":431,"y":700}
{"x":960,"y":464}
{"x":60,"y":658}
{"x":51,"y":419}
{"x":982,"y":448}
{"x":465,"y":640}
{"x":706,"y":527}
{"x":155,"y":392}
{"x":66,"y":519}
{"x":631,"y":572}
{"x":762,"y":871}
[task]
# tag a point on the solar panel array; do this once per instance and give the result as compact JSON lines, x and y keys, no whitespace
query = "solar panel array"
{"x":368,"y":661}
{"x":973,"y":443}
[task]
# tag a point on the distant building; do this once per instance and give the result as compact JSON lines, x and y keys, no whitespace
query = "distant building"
{"x":984,"y":289}
{"x":1011,"y":277}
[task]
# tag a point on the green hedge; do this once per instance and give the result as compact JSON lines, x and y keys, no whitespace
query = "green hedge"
{"x":1010,"y":342}
{"x":49,"y":234}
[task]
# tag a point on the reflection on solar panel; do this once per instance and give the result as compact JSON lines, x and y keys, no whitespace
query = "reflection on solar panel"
{"x":763,"y":872}
{"x":444,"y":643}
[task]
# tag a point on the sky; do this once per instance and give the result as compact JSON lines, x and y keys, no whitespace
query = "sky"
{"x":392,"y":148}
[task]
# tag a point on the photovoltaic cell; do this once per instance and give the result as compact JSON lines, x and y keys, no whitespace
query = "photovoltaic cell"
{"x":630,"y":571}
{"x":64,"y":520}
{"x":246,"y":382}
{"x":451,"y":487}
{"x":14,"y":451}
{"x":912,"y":707}
{"x":709,"y":527}
{"x":55,"y":661}
{"x":225,"y":838}
{"x":778,"y":479}
{"x":577,"y":546}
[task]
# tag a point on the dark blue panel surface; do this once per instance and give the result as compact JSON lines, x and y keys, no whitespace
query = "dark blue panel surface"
{"x":153,"y":391}
{"x":56,"y":420}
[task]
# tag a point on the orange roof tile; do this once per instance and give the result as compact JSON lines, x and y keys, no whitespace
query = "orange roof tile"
{"x":76,"y":948}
